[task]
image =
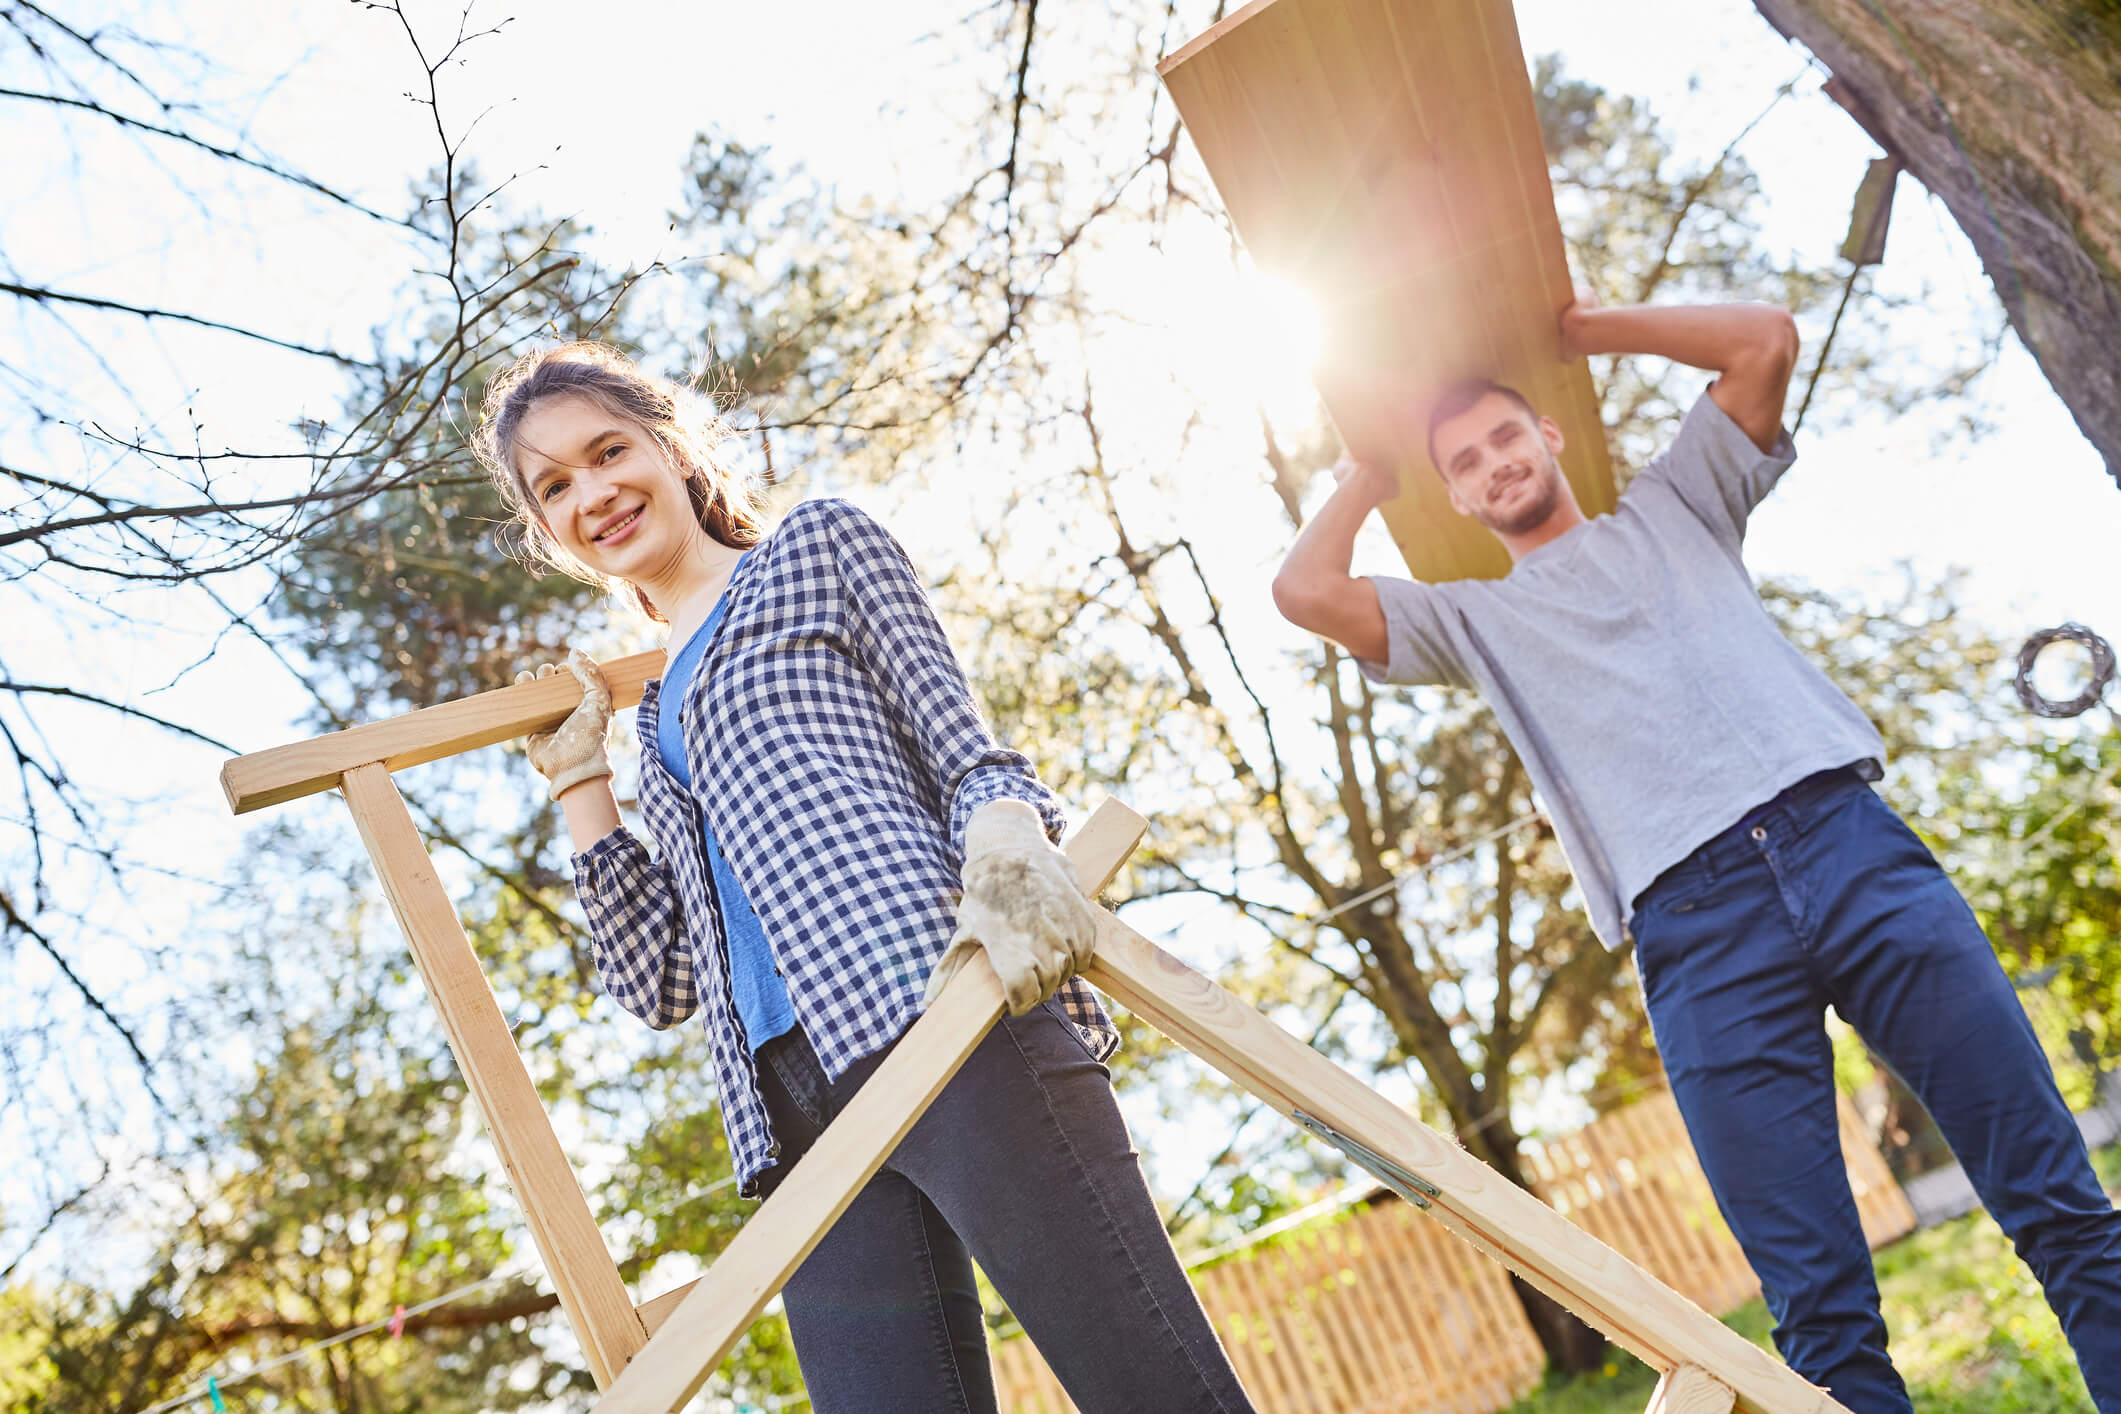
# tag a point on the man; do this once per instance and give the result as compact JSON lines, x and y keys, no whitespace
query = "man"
{"x":1711,"y":789}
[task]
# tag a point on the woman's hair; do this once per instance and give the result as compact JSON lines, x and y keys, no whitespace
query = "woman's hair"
{"x":680,"y":421}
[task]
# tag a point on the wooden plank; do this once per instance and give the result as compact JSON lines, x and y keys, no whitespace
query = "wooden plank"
{"x":1600,"y":1285}
{"x":1691,"y":1390}
{"x":716,"y":1310}
{"x":1385,"y":155}
{"x":283,"y":773}
{"x":560,"y":1223}
{"x":655,"y":1311}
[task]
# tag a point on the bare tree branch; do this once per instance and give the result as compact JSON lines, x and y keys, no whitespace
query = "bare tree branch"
{"x":39,"y":295}
{"x":307,"y":183}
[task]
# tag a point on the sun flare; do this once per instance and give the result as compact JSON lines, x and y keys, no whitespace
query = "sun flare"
{"x":1246,"y":334}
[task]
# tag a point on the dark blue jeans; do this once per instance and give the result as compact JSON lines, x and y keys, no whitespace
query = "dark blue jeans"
{"x":1826,"y":897}
{"x":1024,"y":1163}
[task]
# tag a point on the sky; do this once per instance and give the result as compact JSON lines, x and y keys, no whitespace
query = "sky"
{"x":594,"y":109}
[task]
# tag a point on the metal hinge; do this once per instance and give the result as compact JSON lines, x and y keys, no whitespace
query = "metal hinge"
{"x":1410,"y":1186}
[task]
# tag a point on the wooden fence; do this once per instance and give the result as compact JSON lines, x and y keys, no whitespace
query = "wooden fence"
{"x":1379,"y":1310}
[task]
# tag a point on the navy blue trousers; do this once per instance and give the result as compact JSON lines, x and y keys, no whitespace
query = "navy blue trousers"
{"x":1826,"y":898}
{"x":1024,"y":1163}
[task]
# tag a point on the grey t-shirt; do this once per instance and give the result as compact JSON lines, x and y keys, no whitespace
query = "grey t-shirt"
{"x":1651,"y":697}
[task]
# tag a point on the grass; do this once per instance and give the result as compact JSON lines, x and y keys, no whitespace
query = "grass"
{"x":1970,"y":1332}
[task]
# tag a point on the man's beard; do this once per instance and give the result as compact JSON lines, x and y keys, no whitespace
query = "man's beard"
{"x":1534,"y":513}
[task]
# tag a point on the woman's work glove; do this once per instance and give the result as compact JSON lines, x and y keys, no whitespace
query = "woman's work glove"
{"x":573,"y":752}
{"x":1021,"y":904}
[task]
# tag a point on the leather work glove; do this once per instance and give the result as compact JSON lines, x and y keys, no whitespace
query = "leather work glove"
{"x":1021,"y":904}
{"x":573,"y":752}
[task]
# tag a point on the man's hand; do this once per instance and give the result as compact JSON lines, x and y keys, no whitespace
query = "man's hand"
{"x":1022,"y":905}
{"x":1373,"y":483}
{"x":573,"y":752}
{"x":1575,"y":342}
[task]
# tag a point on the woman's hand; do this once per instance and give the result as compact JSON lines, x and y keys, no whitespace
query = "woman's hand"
{"x":1021,"y":904}
{"x":573,"y":752}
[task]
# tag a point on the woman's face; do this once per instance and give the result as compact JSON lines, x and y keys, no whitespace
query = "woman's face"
{"x":605,"y":489}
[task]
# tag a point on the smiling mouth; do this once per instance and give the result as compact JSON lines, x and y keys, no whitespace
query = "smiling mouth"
{"x":624,"y":523}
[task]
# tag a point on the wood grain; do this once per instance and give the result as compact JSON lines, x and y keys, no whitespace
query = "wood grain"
{"x":1691,"y":1390}
{"x":1385,"y":155}
{"x":576,"y":1258}
{"x":716,"y":1310}
{"x":283,"y":773}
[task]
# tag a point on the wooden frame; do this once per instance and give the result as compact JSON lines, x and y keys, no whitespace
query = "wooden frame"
{"x":1385,"y":156}
{"x":652,"y":1358}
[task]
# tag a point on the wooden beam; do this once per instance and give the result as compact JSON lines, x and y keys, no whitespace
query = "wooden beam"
{"x":566,"y":1235}
{"x":1385,"y":155}
{"x":1691,"y":1390}
{"x":658,"y":1309}
{"x":1495,"y":1216}
{"x":698,"y":1325}
{"x":301,"y":768}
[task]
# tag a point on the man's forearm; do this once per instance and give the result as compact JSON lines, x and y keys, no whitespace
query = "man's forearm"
{"x":1751,"y":348}
{"x":1325,"y":547}
{"x":1717,"y":337}
{"x":1314,"y":589}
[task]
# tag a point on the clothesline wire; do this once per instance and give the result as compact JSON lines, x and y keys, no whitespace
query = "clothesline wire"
{"x":352,"y":1333}
{"x":1427,"y":868}
{"x":205,"y":1390}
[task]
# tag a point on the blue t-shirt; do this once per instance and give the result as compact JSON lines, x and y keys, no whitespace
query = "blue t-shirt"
{"x":761,"y":994}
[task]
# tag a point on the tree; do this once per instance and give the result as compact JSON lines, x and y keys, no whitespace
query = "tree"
{"x":348,"y":1178}
{"x":1369,"y":859}
{"x":2040,"y":862}
{"x":2010,"y":112}
{"x":127,"y":517}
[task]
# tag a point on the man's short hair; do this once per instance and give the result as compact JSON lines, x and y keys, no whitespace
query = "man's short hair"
{"x":1457,"y":396}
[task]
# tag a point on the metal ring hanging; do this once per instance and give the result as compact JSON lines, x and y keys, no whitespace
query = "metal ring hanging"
{"x":2094,"y":692}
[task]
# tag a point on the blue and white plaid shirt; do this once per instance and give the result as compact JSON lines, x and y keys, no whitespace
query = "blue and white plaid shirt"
{"x":838,"y":756}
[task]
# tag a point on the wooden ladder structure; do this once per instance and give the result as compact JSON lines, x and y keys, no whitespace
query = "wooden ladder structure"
{"x":652,"y":1357}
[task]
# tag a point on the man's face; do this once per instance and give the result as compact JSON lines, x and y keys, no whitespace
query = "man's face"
{"x":1498,"y":463}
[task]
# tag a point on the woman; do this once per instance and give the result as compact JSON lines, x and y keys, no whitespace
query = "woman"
{"x":819,"y":786}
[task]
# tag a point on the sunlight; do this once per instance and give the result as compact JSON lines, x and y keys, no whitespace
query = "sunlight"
{"x":1246,"y":335}
{"x":1234,"y":339}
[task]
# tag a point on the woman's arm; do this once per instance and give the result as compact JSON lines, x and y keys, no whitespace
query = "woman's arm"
{"x":901,"y":642}
{"x":636,"y":933}
{"x":636,"y":928}
{"x":592,"y":811}
{"x":1021,"y":903}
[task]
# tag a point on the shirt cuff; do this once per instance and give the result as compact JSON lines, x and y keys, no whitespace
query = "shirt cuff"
{"x":1731,"y":441}
{"x":1411,"y":637}
{"x":984,"y":784}
{"x":586,"y":861}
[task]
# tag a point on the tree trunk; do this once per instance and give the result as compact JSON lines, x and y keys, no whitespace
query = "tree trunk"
{"x":1572,"y":1345}
{"x":2010,"y":112}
